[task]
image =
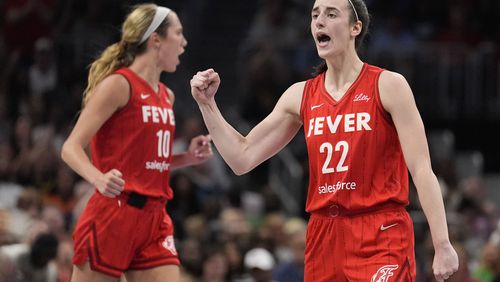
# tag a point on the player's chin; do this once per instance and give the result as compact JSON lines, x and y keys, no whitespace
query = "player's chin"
{"x":323,"y":54}
{"x":171,"y":68}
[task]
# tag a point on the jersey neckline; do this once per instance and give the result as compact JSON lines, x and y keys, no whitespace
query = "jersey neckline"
{"x":348,"y":91}
{"x":157,"y":93}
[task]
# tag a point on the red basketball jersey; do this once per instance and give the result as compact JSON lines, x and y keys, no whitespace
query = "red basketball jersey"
{"x":355,"y":158}
{"x":137,"y":140}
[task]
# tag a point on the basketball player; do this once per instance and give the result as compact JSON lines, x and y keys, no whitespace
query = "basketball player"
{"x":128,"y":120}
{"x":363,"y":131}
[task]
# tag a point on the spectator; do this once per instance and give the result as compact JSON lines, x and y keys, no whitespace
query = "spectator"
{"x":293,"y":269}
{"x":260,"y":263}
{"x":26,"y":21}
{"x":43,"y":71}
{"x":462,"y":274}
{"x":32,"y":263}
{"x":486,"y":270}
{"x":62,"y":195}
{"x":26,"y":213}
{"x":214,"y":265}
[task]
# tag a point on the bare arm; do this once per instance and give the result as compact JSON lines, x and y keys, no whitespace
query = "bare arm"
{"x":110,"y":95}
{"x":243,"y":153}
{"x":398,"y":100}
{"x":199,"y":150}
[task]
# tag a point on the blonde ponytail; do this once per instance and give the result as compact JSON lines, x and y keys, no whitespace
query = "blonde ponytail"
{"x":123,"y":53}
{"x":110,"y":60}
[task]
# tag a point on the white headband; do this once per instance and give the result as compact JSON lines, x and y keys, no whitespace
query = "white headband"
{"x":355,"y":12}
{"x":160,"y":14}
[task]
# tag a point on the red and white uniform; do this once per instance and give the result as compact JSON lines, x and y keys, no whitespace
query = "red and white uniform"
{"x":358,"y":185}
{"x":355,"y":158}
{"x":137,"y":140}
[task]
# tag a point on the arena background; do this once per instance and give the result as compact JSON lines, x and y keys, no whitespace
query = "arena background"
{"x":448,"y":51}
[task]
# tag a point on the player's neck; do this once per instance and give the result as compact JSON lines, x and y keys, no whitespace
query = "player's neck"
{"x":343,"y":71}
{"x":147,"y":71}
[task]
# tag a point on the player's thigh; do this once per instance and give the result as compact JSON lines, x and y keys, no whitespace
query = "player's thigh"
{"x":83,"y":273}
{"x":164,"y":273}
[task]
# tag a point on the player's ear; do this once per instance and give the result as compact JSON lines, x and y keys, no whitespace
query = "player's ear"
{"x":154,"y":40}
{"x":356,"y":28}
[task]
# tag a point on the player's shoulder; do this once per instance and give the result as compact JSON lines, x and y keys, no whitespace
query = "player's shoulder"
{"x":114,"y":89}
{"x":297,"y":87}
{"x":394,"y":90}
{"x":291,"y":99}
{"x":293,"y":94}
{"x":116,"y":81}
{"x":390,"y":79}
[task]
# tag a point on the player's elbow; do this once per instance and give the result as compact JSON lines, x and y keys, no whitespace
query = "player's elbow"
{"x":239,"y":172}
{"x":242,"y":165}
{"x":241,"y":162}
{"x":240,"y":169}
{"x":65,"y":151}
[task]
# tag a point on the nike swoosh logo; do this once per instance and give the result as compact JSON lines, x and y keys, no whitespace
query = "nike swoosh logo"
{"x":383,"y":228}
{"x":144,"y":96}
{"x":316,"y":106}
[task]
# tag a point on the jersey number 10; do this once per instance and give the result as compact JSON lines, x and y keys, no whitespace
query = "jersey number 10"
{"x":163,"y":143}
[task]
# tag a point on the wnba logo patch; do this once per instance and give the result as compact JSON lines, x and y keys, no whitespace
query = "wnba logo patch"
{"x":384,"y":273}
{"x":169,"y":244}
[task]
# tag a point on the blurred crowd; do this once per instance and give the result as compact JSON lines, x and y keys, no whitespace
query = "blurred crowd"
{"x":228,"y":228}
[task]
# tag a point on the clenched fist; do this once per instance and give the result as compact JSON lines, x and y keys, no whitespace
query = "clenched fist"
{"x":204,"y":85}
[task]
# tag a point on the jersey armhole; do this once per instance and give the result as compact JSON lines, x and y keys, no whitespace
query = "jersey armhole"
{"x":170,"y":94}
{"x":130,"y":93}
{"x":380,"y":106}
{"x":305,"y":93}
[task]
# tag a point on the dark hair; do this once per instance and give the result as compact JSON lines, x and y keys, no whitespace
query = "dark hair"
{"x":364,"y":17}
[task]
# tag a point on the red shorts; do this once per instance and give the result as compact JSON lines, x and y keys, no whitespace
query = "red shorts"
{"x":376,"y":246}
{"x":115,"y":236}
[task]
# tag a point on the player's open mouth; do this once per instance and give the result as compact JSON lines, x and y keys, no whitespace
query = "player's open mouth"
{"x":322,"y":39}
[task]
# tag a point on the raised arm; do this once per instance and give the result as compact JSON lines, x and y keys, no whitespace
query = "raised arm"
{"x":398,"y":100}
{"x":111,"y":94}
{"x":243,"y":153}
{"x":198,"y":151}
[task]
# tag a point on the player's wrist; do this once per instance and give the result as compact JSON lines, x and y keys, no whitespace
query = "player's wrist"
{"x":209,"y":103}
{"x":208,"y":107}
{"x":442,"y":244}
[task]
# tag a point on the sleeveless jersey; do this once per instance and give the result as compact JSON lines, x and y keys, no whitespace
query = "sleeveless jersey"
{"x":137,"y":140}
{"x":355,"y":157}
